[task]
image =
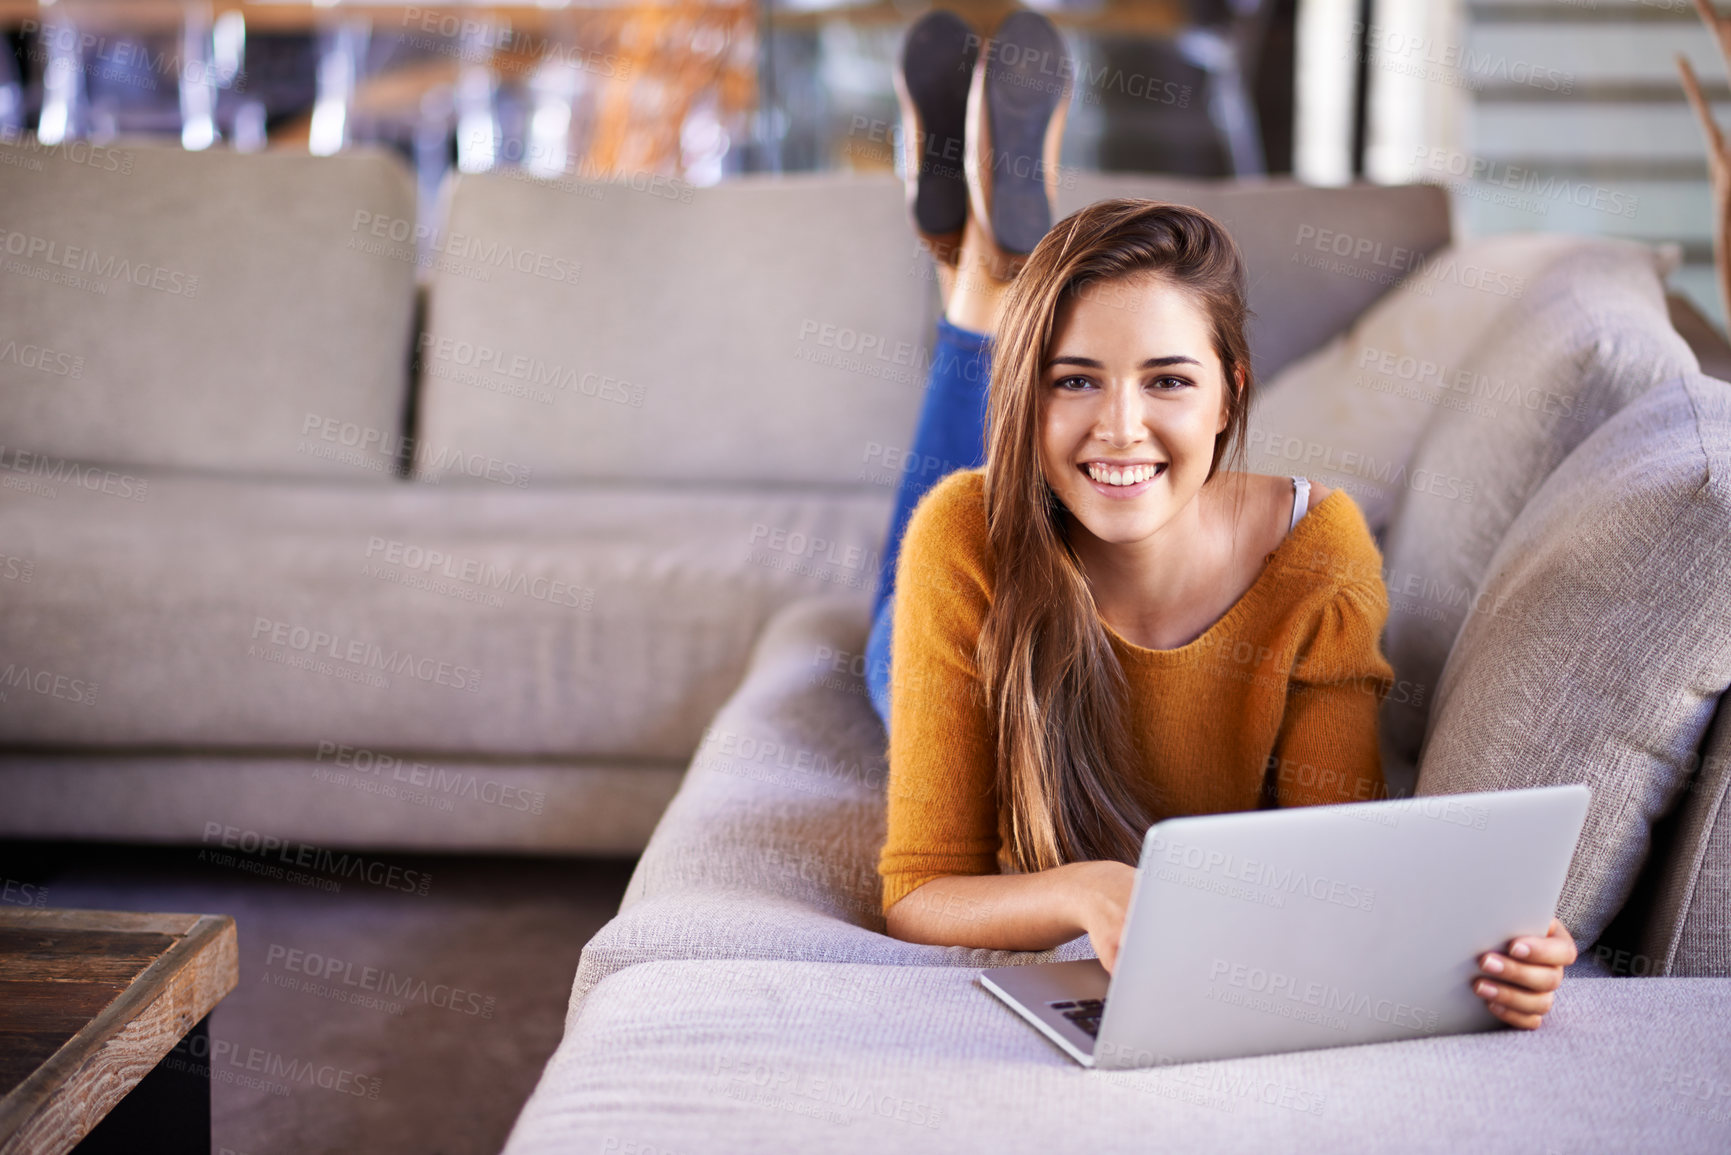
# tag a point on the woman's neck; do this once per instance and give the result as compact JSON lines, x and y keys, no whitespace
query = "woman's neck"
{"x":1163,"y":591}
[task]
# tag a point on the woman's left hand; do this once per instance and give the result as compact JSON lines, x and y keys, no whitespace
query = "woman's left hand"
{"x":1520,"y":985}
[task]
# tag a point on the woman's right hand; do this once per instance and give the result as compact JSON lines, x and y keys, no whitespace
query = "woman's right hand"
{"x":1103,"y":900}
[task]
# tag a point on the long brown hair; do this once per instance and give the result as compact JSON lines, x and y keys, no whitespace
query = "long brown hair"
{"x":1066,"y":777}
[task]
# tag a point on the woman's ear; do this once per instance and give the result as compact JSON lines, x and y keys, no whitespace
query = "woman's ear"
{"x":1233,"y":391}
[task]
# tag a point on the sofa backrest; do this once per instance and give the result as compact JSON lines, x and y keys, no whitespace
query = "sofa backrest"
{"x":780,"y":329}
{"x":211,"y":311}
{"x":1685,"y":918}
{"x":1317,"y":257}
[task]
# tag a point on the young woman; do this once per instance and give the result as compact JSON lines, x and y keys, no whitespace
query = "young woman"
{"x":1098,"y":627}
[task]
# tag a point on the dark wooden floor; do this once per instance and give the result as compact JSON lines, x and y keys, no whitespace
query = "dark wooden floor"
{"x":369,"y":1017}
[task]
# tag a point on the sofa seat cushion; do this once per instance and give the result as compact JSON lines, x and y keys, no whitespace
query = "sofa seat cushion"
{"x":1604,"y":642}
{"x":770,"y":848}
{"x":599,"y":621}
{"x":776,"y":1056}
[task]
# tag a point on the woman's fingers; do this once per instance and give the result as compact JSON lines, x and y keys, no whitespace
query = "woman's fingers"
{"x":1556,"y":948}
{"x":1521,"y":986}
{"x":1513,"y":998}
{"x":1534,"y":977}
{"x":1515,"y":1018}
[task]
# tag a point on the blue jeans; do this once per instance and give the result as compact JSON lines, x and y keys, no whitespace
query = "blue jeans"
{"x":951,"y":436}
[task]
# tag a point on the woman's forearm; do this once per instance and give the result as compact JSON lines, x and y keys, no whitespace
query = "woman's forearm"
{"x":1001,"y":911}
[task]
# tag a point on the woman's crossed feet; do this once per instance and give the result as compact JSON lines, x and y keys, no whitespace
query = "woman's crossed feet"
{"x":999,"y":108}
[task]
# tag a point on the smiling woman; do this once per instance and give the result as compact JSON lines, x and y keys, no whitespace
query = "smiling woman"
{"x":1094,"y":626}
{"x":1100,"y":627}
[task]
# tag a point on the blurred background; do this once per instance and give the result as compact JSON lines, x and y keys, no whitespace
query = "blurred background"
{"x":1558,"y":115}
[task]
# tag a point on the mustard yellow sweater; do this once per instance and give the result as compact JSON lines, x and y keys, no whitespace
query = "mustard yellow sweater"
{"x":1289,"y":681}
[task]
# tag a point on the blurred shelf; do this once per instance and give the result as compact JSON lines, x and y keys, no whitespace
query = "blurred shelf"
{"x":1112,"y":17}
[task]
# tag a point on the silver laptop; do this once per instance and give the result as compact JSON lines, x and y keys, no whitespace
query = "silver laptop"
{"x":1316,"y":926}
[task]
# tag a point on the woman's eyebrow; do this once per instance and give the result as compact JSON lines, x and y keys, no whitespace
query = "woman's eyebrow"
{"x":1150,"y":363}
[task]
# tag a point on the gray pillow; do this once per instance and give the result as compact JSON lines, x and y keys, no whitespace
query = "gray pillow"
{"x":1678,"y":921}
{"x":1610,"y":641}
{"x":1586,"y":337}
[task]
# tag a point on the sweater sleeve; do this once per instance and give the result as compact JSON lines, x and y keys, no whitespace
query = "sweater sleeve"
{"x":1327,"y":750}
{"x":942,"y":797}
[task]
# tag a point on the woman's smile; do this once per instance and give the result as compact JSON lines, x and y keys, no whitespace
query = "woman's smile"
{"x":1122,"y":481}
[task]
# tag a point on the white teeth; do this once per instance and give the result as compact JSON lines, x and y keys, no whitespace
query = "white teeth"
{"x":1131,"y":476}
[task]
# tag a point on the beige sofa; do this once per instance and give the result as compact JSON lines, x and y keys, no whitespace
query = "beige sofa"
{"x":1549,"y":476}
{"x":307,"y":554}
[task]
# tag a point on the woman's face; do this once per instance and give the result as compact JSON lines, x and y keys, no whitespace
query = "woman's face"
{"x":1133,"y":396}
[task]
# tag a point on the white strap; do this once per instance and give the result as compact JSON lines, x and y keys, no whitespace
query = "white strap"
{"x":1300,"y":500}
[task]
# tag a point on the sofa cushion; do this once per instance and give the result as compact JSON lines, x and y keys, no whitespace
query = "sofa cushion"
{"x":778,"y":1056}
{"x":770,"y":848}
{"x":1350,"y":413}
{"x":579,"y":622}
{"x":1591,"y":331}
{"x":1677,"y":920}
{"x":1689,"y":929}
{"x":623,"y":311}
{"x":203,"y":309}
{"x":1318,"y":257}
{"x":1602,"y":647}
{"x":772,"y":320}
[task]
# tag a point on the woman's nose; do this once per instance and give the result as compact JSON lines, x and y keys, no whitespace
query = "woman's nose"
{"x":1120,"y":417}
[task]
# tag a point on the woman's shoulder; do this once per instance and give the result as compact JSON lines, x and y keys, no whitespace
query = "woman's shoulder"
{"x":1332,"y":540}
{"x":947,"y":528}
{"x":956,"y":503}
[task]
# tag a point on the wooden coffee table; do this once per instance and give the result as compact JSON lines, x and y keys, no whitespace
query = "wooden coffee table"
{"x":91,"y":1001}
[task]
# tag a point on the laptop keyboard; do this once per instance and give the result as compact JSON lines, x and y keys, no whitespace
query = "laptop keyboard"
{"x":1085,"y":1013}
